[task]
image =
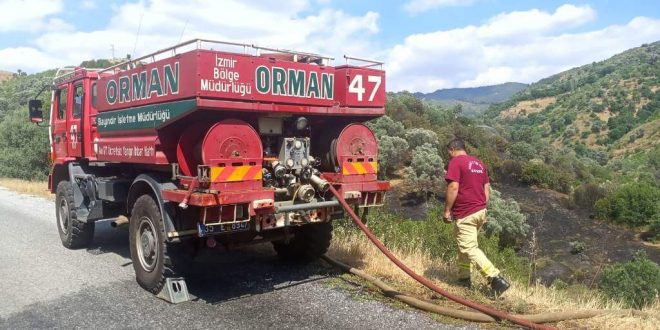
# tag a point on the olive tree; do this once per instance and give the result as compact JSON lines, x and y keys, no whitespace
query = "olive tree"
{"x":505,"y":220}
{"x":417,"y":137}
{"x":426,"y":171}
{"x":392,"y":153}
{"x":386,"y":126}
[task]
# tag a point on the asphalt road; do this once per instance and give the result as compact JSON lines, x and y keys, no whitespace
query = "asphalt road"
{"x":44,"y":285}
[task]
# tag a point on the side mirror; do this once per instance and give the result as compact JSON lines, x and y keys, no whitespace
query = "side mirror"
{"x":36,"y":114}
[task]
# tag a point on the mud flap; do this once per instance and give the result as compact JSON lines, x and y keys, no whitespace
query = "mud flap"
{"x":76,"y":173}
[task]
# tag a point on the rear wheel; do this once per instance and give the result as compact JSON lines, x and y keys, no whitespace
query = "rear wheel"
{"x":153,"y":259}
{"x":310,"y":243}
{"x":74,"y":234}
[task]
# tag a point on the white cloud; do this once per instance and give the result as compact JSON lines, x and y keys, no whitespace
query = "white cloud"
{"x":165,"y":23}
{"x":417,"y":6}
{"x":517,"y":46}
{"x":27,"y":59}
{"x":21,"y":15}
{"x":88,"y":4}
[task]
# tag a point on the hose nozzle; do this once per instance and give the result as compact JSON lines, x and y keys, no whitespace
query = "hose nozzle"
{"x":320,"y":184}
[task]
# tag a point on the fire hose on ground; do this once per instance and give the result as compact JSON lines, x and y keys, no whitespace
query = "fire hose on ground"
{"x":467,"y":315}
{"x":489,"y":314}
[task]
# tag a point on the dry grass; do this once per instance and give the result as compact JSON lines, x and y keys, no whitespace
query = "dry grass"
{"x":524,"y":108}
{"x":647,"y":142}
{"x":5,"y":75}
{"x":355,"y":250}
{"x":35,"y":188}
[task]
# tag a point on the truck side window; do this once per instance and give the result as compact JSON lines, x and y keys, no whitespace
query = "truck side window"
{"x":94,"y":95}
{"x":61,"y":103}
{"x":77,"y":102}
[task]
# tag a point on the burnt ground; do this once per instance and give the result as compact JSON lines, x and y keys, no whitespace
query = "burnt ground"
{"x":559,"y":229}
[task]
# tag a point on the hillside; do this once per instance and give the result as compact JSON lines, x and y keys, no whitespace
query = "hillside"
{"x":601,"y":110}
{"x":5,"y":75}
{"x":483,"y":94}
{"x":474,"y":100}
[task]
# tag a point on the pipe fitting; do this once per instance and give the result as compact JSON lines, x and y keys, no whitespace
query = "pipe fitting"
{"x":305,"y":193}
{"x":320,"y":184}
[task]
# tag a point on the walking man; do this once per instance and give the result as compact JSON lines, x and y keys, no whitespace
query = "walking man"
{"x":468,"y":190}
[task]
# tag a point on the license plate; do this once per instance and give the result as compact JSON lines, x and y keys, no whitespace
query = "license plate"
{"x":228,"y":227}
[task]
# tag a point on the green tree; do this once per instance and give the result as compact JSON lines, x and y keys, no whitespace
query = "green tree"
{"x":23,"y":148}
{"x":522,"y":151}
{"x":392,"y":153}
{"x":386,"y":126}
{"x":417,"y":137}
{"x":426,"y":171}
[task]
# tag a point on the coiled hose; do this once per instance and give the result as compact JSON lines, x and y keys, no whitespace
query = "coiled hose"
{"x":497,"y":314}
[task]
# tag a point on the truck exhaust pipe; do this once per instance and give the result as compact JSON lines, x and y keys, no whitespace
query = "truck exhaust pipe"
{"x":119,"y":222}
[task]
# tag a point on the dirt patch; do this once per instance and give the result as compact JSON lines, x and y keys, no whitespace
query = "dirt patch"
{"x":558,"y":229}
{"x":5,"y":75}
{"x":605,"y":115}
{"x":524,"y":108}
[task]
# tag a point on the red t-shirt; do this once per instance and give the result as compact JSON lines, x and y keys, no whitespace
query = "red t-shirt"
{"x":471,"y":175}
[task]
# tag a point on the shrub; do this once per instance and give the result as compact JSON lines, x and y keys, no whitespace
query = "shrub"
{"x":418,"y":137}
{"x":24,"y":148}
{"x":392,"y":152}
{"x":577,"y":247}
{"x":637,"y":282}
{"x":505,"y":220}
{"x":386,"y":126}
{"x":510,"y":171}
{"x":654,"y":157}
{"x":635,"y":204}
{"x":586,"y":195}
{"x":522,"y":151}
{"x":426,"y":171}
{"x":653,"y":233}
{"x":545,"y":176}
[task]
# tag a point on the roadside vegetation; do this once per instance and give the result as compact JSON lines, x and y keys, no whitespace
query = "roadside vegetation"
{"x":427,"y":246}
{"x":590,"y":133}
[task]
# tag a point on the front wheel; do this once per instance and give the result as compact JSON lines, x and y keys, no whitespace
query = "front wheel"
{"x":74,"y":234}
{"x":153,"y":259}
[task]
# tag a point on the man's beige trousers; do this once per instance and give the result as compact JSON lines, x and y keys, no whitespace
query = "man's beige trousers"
{"x":465,"y":231}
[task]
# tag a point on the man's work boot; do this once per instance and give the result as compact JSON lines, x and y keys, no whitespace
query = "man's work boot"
{"x":465,"y":282}
{"x":498,"y":284}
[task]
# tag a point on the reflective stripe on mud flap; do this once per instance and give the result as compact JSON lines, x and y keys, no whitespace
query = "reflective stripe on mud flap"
{"x":235,"y":173}
{"x":356,"y":168}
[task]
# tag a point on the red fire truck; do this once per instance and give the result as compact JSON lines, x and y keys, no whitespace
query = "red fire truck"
{"x":210,"y":142}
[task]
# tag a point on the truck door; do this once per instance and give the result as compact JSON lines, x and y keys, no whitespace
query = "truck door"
{"x":59,"y":134}
{"x":74,"y":121}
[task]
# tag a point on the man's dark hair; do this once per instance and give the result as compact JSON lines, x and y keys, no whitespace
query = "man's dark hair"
{"x":456,"y":144}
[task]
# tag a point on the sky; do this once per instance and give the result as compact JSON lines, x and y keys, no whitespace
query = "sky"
{"x":425,"y":44}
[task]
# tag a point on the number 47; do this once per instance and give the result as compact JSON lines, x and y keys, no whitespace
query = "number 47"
{"x":357,"y":87}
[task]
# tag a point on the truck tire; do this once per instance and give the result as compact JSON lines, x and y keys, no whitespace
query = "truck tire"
{"x":310,"y":243}
{"x":73,"y":233}
{"x":154,"y":260}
